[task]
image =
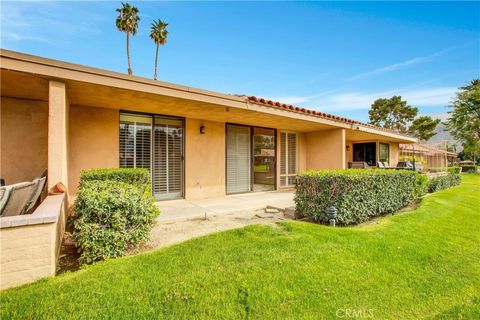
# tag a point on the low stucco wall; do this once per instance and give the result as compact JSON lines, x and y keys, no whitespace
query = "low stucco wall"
{"x":30,"y":244}
{"x":326,"y":149}
{"x":23,"y":139}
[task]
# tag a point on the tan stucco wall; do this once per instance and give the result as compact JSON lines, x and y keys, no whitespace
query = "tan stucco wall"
{"x":94,"y":141}
{"x":23,"y":139}
{"x":30,"y":252}
{"x":204,"y":159}
{"x":302,"y":152}
{"x":326,"y":149}
{"x":394,"y":154}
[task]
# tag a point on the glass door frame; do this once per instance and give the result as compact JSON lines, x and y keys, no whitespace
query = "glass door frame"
{"x":152,"y":115}
{"x":252,"y":173}
{"x":364,"y":151}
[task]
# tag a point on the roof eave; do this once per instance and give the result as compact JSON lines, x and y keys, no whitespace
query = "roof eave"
{"x":401,"y":137}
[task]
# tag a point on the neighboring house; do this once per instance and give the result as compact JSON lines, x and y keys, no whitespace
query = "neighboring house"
{"x":196,"y":143}
{"x":430,"y":156}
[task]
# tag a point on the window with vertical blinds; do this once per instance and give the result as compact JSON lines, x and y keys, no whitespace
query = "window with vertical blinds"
{"x":168,"y":158}
{"x":154,"y":143}
{"x":238,"y":159}
{"x":288,"y":158}
{"x":135,"y":141}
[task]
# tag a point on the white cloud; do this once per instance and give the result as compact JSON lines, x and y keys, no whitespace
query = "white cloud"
{"x":20,"y":37}
{"x":360,"y":100}
{"x":304,"y":99}
{"x":400,"y":65}
{"x":48,"y":23}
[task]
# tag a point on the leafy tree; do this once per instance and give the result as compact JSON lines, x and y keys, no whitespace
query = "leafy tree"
{"x":464,"y":121}
{"x":392,"y":113}
{"x":127,"y":21}
{"x":472,"y":152}
{"x":158,"y":33}
{"x":423,"y":127}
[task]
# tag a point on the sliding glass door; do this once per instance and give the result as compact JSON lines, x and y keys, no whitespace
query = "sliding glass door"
{"x":238,"y":159}
{"x":154,"y":143}
{"x":135,"y":141}
{"x":263,"y":159}
{"x":167,"y":169}
{"x":365,"y":152}
{"x":251,"y":159}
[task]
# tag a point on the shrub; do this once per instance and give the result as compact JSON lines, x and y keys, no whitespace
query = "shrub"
{"x":422,"y":185}
{"x":358,"y":195}
{"x":443,"y":182}
{"x":112,"y":216}
{"x":136,"y":176}
{"x":454,"y":169}
{"x":469,"y":169}
{"x":444,"y":169}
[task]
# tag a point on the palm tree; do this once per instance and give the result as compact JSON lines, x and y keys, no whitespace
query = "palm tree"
{"x":158,"y":33}
{"x":127,"y":21}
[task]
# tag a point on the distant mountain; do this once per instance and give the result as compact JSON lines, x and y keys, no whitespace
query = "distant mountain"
{"x":442,"y":135}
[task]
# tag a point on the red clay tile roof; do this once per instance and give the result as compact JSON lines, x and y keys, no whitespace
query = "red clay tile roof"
{"x":290,"y":107}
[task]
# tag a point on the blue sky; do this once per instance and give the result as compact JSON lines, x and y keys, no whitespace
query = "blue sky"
{"x":336,"y":57}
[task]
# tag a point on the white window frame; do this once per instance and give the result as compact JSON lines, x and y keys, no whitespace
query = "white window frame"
{"x":286,"y":175}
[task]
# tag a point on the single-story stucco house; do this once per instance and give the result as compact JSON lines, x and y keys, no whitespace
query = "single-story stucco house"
{"x":197,"y":144}
{"x":66,"y":118}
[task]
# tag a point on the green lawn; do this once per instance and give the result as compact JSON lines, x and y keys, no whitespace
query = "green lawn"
{"x":423,"y":264}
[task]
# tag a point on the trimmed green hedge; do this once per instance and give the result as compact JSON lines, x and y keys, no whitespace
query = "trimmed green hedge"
{"x":444,"y":182}
{"x":111,"y":215}
{"x":357,"y":194}
{"x":136,"y":176}
{"x":444,"y":169}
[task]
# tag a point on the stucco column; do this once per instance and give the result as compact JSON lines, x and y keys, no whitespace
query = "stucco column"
{"x":57,"y":134}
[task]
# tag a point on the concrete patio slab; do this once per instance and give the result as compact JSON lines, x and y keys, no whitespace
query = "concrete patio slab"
{"x":166,"y":233}
{"x":187,"y":209}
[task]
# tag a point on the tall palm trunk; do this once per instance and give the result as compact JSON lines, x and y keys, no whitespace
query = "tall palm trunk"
{"x":128,"y":54}
{"x":156,"y":61}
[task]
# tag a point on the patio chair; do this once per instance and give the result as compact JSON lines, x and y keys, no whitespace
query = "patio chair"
{"x":4,"y":194}
{"x":381,"y":165}
{"x":38,"y":189}
{"x":358,"y":165}
{"x":405,"y":165}
{"x":18,"y":198}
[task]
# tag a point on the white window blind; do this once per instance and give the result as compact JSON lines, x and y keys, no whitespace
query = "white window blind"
{"x":288,"y":158}
{"x":168,"y":161}
{"x":154,"y":143}
{"x":238,"y":159}
{"x":135,"y":141}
